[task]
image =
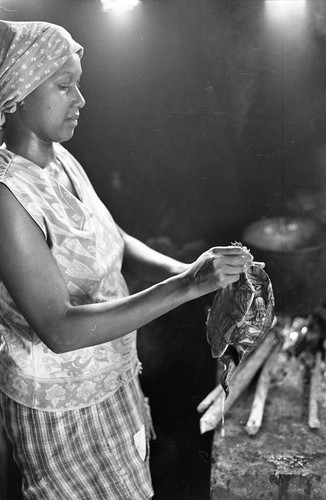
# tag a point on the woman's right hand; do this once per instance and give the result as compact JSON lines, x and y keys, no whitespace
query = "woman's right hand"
{"x":217,"y":268}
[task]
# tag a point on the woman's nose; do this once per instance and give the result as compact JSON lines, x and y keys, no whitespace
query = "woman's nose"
{"x":79,"y":99}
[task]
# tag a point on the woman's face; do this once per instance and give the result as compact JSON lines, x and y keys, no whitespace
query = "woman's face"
{"x":51,"y":111}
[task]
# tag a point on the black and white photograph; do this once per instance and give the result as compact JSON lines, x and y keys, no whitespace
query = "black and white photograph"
{"x":162,"y":249}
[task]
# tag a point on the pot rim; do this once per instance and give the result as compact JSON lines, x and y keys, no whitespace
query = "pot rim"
{"x":287,"y":218}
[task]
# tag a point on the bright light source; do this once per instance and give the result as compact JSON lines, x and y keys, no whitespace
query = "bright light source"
{"x":281,"y":8}
{"x":118,"y":6}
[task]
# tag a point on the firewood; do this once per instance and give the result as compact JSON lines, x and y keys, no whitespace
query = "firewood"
{"x":210,"y":398}
{"x":315,"y":382}
{"x":241,"y":378}
{"x":257,"y":409}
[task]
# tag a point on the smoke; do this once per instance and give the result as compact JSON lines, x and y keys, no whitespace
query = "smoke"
{"x":238,"y":32}
{"x":319,"y":15}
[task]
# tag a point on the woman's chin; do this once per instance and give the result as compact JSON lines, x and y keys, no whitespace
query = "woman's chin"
{"x":64,"y":137}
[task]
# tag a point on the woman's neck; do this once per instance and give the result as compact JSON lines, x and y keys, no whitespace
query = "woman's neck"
{"x":30,"y":146}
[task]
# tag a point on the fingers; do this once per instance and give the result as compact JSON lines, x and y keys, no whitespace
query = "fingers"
{"x":236,"y":260}
{"x":234,"y":270}
{"x":233,"y":263}
{"x":231,"y":250}
{"x":220,"y":266}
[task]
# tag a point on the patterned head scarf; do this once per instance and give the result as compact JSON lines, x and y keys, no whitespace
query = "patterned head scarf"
{"x":30,"y":52}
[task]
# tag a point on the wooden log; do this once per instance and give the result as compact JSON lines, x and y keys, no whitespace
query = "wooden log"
{"x":315,"y":388}
{"x":241,"y":378}
{"x":210,"y":398}
{"x":257,"y":409}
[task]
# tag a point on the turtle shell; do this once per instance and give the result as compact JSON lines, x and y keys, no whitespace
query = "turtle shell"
{"x":239,"y":319}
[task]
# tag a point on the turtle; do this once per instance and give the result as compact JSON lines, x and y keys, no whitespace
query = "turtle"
{"x":239,"y":319}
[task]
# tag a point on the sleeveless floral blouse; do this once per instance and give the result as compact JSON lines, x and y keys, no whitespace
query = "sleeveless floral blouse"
{"x":88,"y":249}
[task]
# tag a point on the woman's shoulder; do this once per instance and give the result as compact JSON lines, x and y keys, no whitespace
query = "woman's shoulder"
{"x":6,"y":161}
{"x":6,"y":156}
{"x":13,"y":166}
{"x":23,"y":179}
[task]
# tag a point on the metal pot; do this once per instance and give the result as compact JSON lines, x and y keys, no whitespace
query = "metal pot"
{"x":294,"y":250}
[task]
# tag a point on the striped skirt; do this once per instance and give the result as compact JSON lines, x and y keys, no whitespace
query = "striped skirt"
{"x":94,"y":453}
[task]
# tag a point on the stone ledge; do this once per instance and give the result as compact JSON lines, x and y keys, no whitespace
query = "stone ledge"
{"x":285,"y":460}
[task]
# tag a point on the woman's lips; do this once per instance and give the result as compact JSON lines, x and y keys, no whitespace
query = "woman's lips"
{"x":73,"y":119}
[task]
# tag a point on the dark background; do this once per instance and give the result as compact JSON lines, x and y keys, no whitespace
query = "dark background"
{"x":201,"y":116}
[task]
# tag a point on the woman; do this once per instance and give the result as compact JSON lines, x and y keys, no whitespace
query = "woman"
{"x":70,"y":396}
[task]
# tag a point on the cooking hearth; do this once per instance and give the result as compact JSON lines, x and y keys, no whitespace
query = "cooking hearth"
{"x":273,"y":441}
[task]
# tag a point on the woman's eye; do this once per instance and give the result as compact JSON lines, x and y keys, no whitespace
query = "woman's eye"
{"x":64,"y":86}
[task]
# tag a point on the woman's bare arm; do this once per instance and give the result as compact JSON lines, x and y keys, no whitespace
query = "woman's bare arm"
{"x":35,"y":282}
{"x":145,"y":263}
